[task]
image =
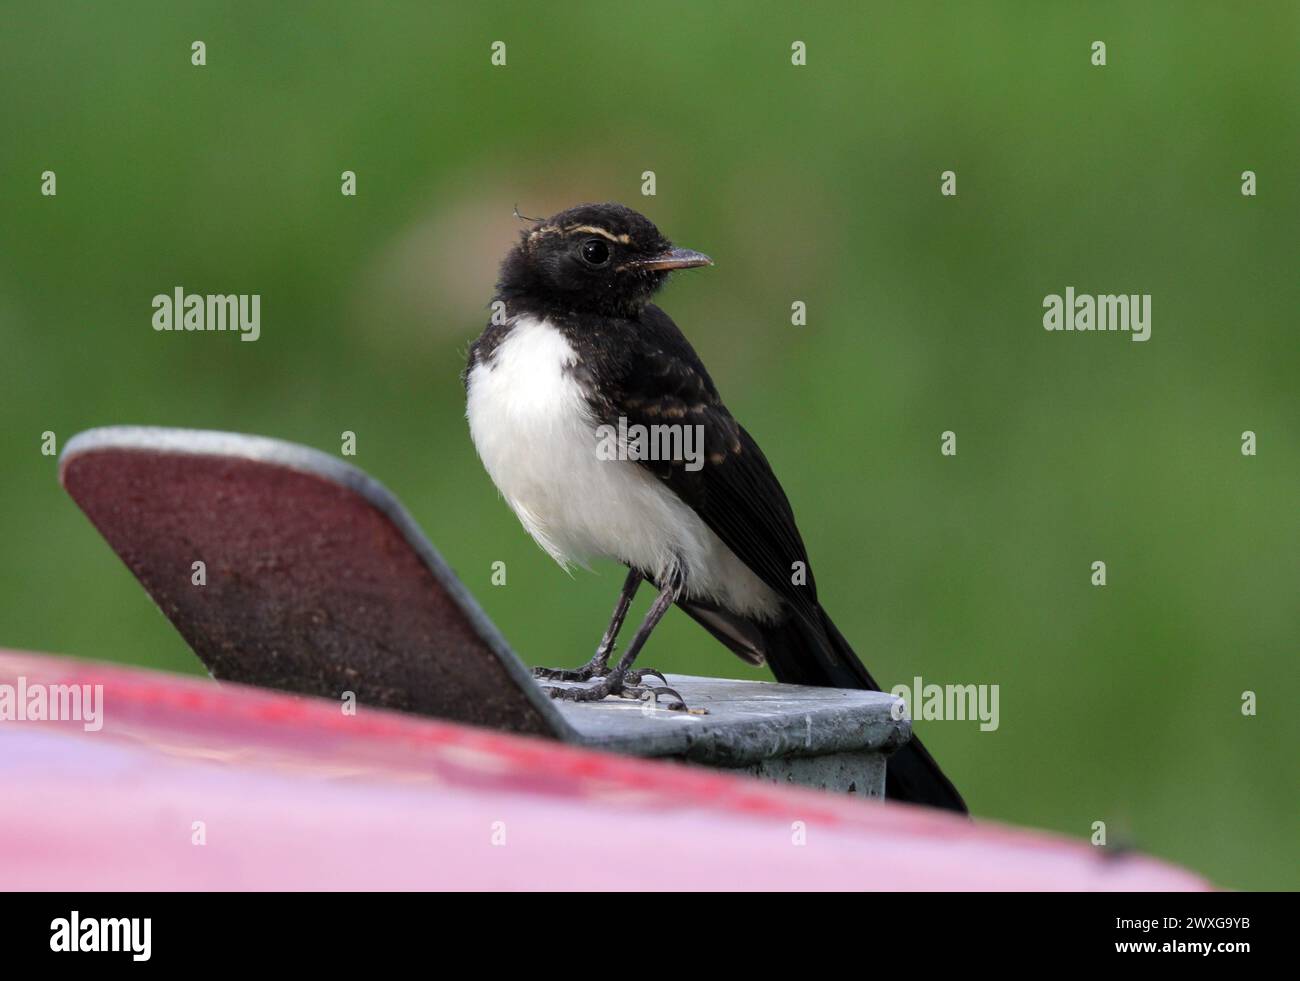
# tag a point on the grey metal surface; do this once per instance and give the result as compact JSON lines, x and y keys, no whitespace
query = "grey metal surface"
{"x":861,"y":773}
{"x":747,"y":722}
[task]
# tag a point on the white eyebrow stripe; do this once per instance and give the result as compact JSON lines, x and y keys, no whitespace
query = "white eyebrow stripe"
{"x":625,"y":240}
{"x":543,"y":230}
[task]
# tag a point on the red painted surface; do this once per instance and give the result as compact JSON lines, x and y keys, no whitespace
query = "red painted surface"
{"x":294,"y":794}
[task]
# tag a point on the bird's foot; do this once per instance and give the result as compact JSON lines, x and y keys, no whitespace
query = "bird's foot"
{"x":597,"y":667}
{"x":652,"y":693}
{"x":625,"y":685}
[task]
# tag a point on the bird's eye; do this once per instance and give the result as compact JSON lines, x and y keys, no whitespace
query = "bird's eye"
{"x":595,"y":252}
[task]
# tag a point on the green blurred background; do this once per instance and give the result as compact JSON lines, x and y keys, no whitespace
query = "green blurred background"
{"x":818,"y":183}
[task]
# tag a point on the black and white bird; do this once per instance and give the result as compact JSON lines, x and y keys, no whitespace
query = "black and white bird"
{"x":576,"y":345}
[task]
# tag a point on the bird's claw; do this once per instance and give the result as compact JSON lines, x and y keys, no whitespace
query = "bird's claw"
{"x":636,"y":675}
{"x":647,"y":693}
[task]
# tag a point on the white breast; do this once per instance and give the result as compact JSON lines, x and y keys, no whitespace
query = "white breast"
{"x":537,"y":438}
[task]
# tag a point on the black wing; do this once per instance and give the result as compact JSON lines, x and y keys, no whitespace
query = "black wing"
{"x":659,"y":379}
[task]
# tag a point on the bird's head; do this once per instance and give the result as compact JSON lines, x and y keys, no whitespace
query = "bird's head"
{"x":595,"y":258}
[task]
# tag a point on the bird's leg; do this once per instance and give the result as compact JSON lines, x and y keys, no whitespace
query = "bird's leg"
{"x":598,"y":666}
{"x":615,"y":682}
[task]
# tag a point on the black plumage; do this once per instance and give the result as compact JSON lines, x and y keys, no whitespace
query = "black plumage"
{"x":635,"y":364}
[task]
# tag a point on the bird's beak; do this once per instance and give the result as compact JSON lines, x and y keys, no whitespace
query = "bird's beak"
{"x":676,"y":259}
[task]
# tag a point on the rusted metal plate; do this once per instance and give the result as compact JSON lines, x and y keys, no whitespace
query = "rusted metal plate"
{"x":317,"y":580}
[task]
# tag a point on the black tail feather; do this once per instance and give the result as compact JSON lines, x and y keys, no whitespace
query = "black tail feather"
{"x":800,"y":654}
